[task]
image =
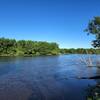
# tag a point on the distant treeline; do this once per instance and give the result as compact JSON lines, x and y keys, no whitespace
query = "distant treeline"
{"x":80,"y":51}
{"x":12,"y":47}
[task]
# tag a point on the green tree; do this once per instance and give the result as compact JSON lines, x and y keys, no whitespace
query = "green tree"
{"x":7,"y":46}
{"x":94,"y":28}
{"x":27,"y":48}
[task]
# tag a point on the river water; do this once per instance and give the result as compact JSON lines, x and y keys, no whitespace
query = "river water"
{"x":45,"y":78}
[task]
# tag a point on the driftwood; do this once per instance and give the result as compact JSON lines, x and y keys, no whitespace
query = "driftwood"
{"x":93,"y":77}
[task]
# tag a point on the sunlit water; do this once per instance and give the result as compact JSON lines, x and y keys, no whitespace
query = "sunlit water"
{"x":44,"y":78}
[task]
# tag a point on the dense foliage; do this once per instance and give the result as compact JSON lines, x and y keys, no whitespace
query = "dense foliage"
{"x":11,"y":47}
{"x":94,"y":28}
{"x":80,"y":51}
{"x":27,"y":48}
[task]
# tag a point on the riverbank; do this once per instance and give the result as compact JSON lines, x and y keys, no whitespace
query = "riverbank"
{"x":12,"y":47}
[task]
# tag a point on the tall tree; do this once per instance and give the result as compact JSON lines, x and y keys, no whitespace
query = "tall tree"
{"x":94,"y":28}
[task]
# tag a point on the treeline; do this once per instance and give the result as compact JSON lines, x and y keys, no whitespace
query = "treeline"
{"x":80,"y":51}
{"x":11,"y":47}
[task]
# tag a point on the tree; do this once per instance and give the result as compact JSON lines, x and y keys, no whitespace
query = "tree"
{"x":94,"y":28}
{"x":27,"y":48}
{"x":7,"y":46}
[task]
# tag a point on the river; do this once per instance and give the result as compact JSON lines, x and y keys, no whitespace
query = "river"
{"x":44,"y":78}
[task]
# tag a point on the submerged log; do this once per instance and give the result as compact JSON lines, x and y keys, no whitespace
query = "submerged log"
{"x":93,"y":77}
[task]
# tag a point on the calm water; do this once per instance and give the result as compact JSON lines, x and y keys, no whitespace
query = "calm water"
{"x":44,"y":78}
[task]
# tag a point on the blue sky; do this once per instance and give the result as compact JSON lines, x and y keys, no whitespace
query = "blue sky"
{"x":61,"y":21}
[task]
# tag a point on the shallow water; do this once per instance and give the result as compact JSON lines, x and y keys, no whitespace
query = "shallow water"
{"x":44,"y":78}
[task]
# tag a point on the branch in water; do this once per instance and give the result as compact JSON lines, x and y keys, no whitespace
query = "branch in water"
{"x":93,"y":77}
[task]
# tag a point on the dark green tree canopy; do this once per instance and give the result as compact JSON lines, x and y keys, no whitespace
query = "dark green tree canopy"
{"x":94,"y":28}
{"x":11,"y":47}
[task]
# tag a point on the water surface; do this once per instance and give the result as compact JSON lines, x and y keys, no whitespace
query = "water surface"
{"x":44,"y":78}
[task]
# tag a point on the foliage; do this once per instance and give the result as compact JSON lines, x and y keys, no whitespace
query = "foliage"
{"x":94,"y":28}
{"x":80,"y":51}
{"x":11,"y":47}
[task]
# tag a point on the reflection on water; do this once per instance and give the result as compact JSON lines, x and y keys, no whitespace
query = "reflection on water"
{"x":94,"y":91}
{"x":44,"y":78}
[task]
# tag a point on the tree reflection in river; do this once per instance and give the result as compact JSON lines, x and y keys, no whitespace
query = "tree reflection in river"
{"x":94,"y":91}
